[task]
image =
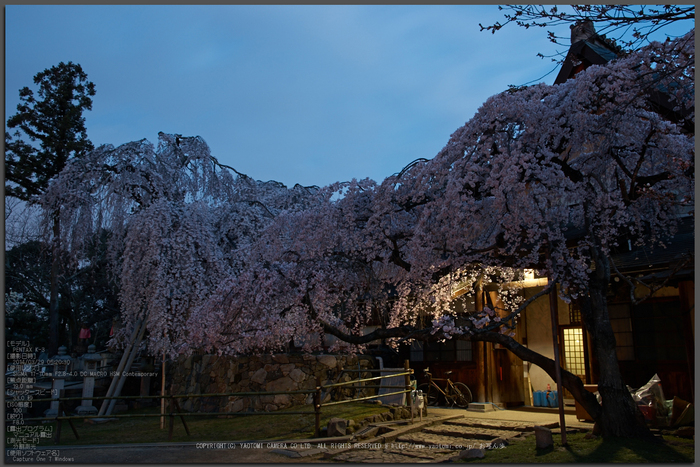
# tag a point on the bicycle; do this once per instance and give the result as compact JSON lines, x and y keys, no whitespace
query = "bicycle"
{"x":454,"y":393}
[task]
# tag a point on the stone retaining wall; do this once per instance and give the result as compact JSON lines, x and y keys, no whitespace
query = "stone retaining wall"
{"x":209,"y":374}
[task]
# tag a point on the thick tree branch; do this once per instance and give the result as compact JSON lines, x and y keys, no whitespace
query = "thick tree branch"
{"x":569,"y":380}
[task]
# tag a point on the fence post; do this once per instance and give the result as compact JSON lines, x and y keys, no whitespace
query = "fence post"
{"x":317,"y":407}
{"x":407,"y":380}
{"x":171,"y":422}
{"x":177,"y":406}
{"x":59,"y":413}
{"x":57,"y":436}
{"x":162,"y":393}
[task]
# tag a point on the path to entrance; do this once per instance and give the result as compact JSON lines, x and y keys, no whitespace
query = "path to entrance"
{"x":443,"y":434}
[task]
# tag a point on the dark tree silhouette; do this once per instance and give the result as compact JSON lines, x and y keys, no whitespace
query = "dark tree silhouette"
{"x":611,"y":20}
{"x":49,"y":130}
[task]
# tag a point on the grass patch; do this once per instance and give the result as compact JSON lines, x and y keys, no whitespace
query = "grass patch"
{"x":579,"y":449}
{"x":209,"y":428}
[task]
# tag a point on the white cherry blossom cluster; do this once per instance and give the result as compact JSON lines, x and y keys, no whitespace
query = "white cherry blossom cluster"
{"x":446,"y":326}
{"x":544,"y":177}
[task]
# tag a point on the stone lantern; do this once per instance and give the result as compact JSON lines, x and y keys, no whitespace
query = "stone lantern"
{"x":90,"y":362}
{"x":60,"y":367}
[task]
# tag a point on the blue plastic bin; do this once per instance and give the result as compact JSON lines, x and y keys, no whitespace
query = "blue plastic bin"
{"x":538,"y":398}
{"x":553,"y":399}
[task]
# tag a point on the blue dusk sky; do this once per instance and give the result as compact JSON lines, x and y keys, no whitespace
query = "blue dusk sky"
{"x":299,"y":94}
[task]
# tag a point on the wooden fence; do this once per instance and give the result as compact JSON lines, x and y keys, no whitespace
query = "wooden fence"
{"x":175,"y":411}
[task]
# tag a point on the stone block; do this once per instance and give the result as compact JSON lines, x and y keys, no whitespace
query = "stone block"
{"x":297,"y":375}
{"x":274,"y":374}
{"x":282,"y":384}
{"x":280,"y":358}
{"x":480,"y":407}
{"x":498,"y":443}
{"x":85,"y":410}
{"x":543,"y":438}
{"x":472,"y":454}
{"x":287,"y":368}
{"x":282,"y":400}
{"x":327,"y":360}
{"x":259,"y":376}
{"x":337,"y":427}
{"x":237,"y":405}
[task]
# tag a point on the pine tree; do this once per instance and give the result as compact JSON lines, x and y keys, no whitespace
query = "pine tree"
{"x":50,"y":129}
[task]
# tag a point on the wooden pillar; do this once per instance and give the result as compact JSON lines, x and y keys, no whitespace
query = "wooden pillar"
{"x":317,"y":408}
{"x":557,"y":364}
{"x":407,"y":381}
{"x":162,"y":393}
{"x":482,"y":363}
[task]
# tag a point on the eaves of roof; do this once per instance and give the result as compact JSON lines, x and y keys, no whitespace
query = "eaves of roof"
{"x":645,"y":258}
{"x":591,"y":52}
{"x":597,"y":52}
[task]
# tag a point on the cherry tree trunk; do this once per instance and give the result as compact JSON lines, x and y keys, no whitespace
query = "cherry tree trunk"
{"x":53,"y":297}
{"x":619,"y":416}
{"x":127,"y":359}
{"x":121,"y":378}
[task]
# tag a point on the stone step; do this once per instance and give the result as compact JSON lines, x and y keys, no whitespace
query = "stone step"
{"x":391,"y":422}
{"x":499,"y":424}
{"x":471,"y":432}
{"x":396,"y":453}
{"x":362,"y":456}
{"x":480,"y":407}
{"x":441,"y":442}
{"x":571,"y":430}
{"x":415,"y":454}
{"x":367,"y":432}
